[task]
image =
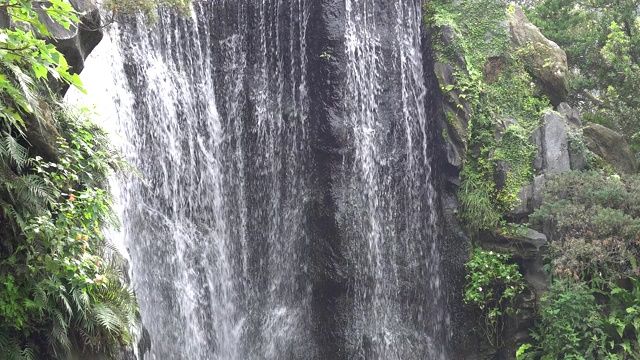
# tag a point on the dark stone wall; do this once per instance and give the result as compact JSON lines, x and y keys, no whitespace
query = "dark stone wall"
{"x":455,"y":243}
{"x":325,"y":33}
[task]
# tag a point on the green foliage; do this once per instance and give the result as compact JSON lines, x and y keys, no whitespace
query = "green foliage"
{"x":592,"y":308}
{"x":492,"y":287}
{"x":575,"y":325}
{"x":597,"y":221}
{"x":63,"y":287}
{"x":571,"y":325}
{"x":146,"y":8}
{"x":623,"y":321}
{"x":27,"y":60}
{"x":514,"y":229}
{"x":602,"y":42}
{"x":498,"y":90}
{"x":61,"y":282}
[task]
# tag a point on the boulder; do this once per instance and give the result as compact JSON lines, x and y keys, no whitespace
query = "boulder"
{"x":555,"y":144}
{"x":528,"y":252}
{"x":611,"y":147}
{"x":572,"y":115}
{"x":4,"y":19}
{"x":529,"y":197}
{"x":536,"y":140}
{"x":42,"y":133}
{"x":577,"y":155}
{"x":76,"y":42}
{"x":544,"y":59}
{"x":559,"y":149}
{"x":523,"y":206}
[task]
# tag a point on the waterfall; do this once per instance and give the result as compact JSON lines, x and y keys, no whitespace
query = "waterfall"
{"x":388,"y":202}
{"x":214,"y":111}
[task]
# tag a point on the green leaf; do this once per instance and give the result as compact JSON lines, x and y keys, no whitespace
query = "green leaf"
{"x":39,"y":70}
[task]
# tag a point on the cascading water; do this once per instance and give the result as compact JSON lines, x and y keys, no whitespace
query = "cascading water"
{"x":217,"y":232}
{"x":215,"y":112}
{"x":388,"y":202}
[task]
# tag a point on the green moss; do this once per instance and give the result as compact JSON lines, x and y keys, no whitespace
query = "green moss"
{"x":496,"y":86}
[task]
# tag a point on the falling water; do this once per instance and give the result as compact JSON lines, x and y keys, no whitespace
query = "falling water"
{"x":216,"y":231}
{"x":214,"y":113}
{"x":387,"y":208}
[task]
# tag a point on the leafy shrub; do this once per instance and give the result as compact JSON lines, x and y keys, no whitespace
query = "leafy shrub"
{"x":597,"y":220}
{"x":492,"y":286}
{"x":592,"y":310}
{"x":575,"y":325}
{"x":570,"y":326}
{"x":62,"y":282}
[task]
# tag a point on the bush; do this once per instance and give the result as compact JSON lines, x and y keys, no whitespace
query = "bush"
{"x":597,"y":221}
{"x":592,"y":310}
{"x":570,"y":326}
{"x":492,"y":286}
{"x":575,"y":325}
{"x":61,"y":282}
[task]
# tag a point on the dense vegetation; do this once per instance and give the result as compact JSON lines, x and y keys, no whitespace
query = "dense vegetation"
{"x":62,"y":287}
{"x":507,"y":101}
{"x":591,"y":310}
{"x":493,"y":284}
{"x":602,"y":42}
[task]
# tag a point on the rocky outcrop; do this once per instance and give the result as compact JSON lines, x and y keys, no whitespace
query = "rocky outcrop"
{"x":559,"y":148}
{"x":546,"y":63}
{"x":42,"y":133}
{"x":544,"y":59}
{"x":76,"y":42}
{"x":457,"y":116}
{"x":611,"y":147}
{"x":527,"y":251}
{"x":456,"y":111}
{"x":555,"y":144}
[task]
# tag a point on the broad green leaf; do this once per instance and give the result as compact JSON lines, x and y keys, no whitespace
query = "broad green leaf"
{"x":39,"y":70}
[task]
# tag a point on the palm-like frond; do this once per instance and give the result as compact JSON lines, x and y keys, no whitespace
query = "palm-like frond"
{"x":59,"y":341}
{"x":107,"y":318}
{"x":12,"y":152}
{"x":28,"y":97}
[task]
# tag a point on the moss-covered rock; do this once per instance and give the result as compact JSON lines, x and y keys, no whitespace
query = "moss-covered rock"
{"x":543,"y":58}
{"x":611,"y":147}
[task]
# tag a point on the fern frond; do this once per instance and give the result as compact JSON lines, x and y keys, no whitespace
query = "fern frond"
{"x":110,"y":252}
{"x":81,"y":300}
{"x":29,"y":97}
{"x":107,"y":318}
{"x":28,"y":353}
{"x":40,"y":297}
{"x":59,"y":341}
{"x":65,"y":302}
{"x":17,"y":220}
{"x":15,"y":153}
{"x":41,"y":190}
